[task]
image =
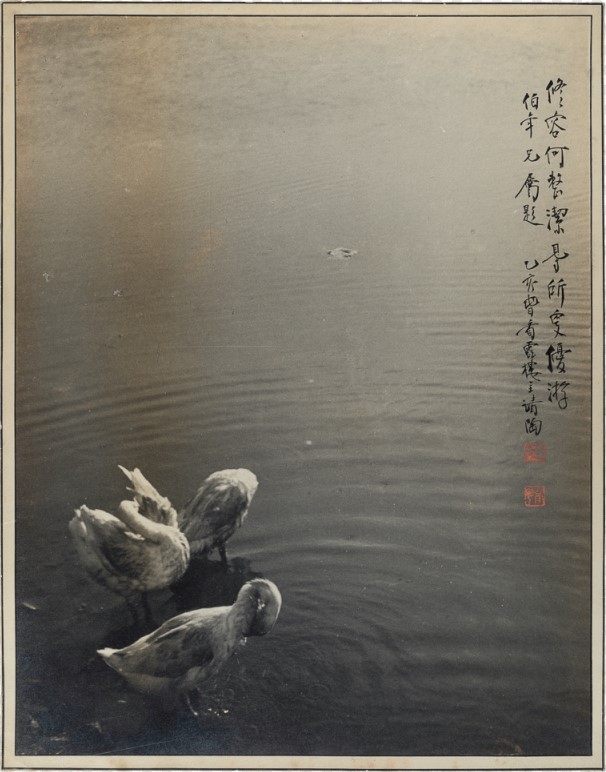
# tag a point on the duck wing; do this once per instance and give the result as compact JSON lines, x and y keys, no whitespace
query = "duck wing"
{"x":151,"y":504}
{"x":106,"y":544}
{"x":214,"y":513}
{"x":176,"y":647}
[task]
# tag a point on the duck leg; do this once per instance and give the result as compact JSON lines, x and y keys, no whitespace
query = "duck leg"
{"x":147,"y":612}
{"x":139,"y":608}
{"x":222,"y":554}
{"x":133,"y":603}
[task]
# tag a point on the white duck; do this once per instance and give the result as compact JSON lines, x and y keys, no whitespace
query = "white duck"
{"x":217,"y":510}
{"x":190,"y":648}
{"x":141,"y":549}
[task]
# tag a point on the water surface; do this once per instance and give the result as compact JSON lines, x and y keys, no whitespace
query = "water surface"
{"x":180,"y":182}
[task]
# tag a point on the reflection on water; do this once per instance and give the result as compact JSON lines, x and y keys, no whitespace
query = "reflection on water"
{"x":180,"y":184}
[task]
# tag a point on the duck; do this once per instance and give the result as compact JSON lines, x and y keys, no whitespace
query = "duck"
{"x":190,"y":648}
{"x":139,"y":549}
{"x":218,"y":508}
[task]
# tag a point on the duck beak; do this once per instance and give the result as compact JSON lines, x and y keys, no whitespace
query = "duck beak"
{"x":263,"y":624}
{"x":268,"y":609}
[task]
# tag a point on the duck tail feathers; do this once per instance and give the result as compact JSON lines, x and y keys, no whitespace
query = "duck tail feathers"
{"x":88,"y":523}
{"x":111,"y":657}
{"x":106,"y":653}
{"x":77,"y":526}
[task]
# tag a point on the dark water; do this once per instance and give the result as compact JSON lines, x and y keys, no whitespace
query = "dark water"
{"x":180,"y":182}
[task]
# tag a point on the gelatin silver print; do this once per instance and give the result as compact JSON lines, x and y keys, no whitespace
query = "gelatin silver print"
{"x":302,"y":386}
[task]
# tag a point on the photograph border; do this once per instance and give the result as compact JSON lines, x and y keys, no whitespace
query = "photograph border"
{"x":11,"y":11}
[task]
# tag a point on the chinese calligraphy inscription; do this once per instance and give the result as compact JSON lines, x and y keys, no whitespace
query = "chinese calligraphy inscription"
{"x":543,"y":193}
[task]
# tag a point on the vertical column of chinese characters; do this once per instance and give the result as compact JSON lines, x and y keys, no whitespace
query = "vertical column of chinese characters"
{"x":544,"y":123}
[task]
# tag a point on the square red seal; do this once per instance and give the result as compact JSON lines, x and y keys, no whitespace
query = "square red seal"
{"x":534,"y":496}
{"x":535,"y":452}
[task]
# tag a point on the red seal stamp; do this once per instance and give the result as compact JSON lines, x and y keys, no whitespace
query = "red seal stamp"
{"x":535,"y":452}
{"x":534,"y":496}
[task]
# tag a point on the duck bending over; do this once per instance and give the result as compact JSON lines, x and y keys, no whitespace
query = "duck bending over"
{"x":217,"y":510}
{"x":139,"y":550}
{"x":190,"y":648}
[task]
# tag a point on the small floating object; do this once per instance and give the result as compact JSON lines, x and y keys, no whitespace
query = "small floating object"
{"x":30,"y":606}
{"x":341,"y":253}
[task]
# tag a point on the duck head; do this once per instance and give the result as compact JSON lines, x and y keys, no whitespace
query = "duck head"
{"x":243,"y":477}
{"x":265,"y":599}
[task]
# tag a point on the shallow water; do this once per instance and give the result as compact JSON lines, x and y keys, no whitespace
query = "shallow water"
{"x":180,"y":184}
